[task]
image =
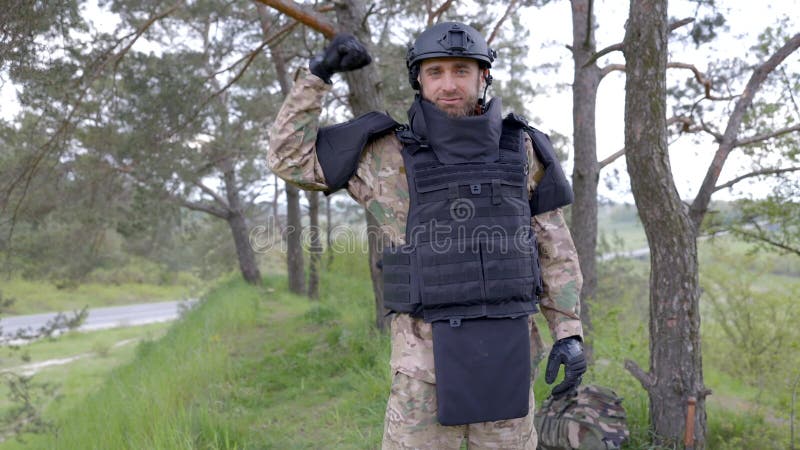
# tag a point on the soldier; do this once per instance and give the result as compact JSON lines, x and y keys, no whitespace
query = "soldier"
{"x":469,"y":204}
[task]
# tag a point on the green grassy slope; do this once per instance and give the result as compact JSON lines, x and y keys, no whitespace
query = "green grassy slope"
{"x":255,"y":368}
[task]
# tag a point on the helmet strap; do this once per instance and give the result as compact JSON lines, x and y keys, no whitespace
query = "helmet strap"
{"x":482,"y":100}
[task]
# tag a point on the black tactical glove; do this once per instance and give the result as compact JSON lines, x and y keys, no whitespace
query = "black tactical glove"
{"x":343,"y":54}
{"x":567,"y":351}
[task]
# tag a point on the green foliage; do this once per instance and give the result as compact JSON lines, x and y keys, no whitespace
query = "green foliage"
{"x":23,"y":24}
{"x":755,"y":320}
{"x":771,"y":223}
{"x":705,"y":28}
{"x":729,"y":430}
{"x":112,"y":139}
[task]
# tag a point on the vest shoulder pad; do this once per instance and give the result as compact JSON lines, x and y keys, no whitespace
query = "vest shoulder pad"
{"x":339,"y":146}
{"x":553,"y":190}
{"x":516,"y":120}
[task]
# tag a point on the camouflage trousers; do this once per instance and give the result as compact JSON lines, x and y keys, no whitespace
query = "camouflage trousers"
{"x":411,"y":423}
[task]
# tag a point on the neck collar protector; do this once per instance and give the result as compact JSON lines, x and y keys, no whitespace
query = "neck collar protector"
{"x":457,"y":140}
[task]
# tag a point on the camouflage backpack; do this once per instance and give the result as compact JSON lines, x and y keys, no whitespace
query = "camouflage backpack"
{"x":591,"y":419}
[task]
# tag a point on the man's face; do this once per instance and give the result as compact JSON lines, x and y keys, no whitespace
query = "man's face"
{"x":452,"y":84}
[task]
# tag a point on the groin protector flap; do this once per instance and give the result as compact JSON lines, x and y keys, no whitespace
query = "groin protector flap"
{"x":483,"y":369}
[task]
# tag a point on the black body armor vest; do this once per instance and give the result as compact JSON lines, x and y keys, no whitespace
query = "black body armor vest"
{"x":470,"y":250}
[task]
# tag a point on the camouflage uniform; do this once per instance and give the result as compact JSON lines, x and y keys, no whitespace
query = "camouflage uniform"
{"x":380,"y":185}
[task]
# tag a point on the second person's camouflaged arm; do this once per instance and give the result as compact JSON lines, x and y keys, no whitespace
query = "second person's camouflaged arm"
{"x":561,"y":275}
{"x":291,"y":154}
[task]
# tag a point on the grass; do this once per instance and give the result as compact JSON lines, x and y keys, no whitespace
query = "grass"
{"x":75,"y":343}
{"x":246,"y":372}
{"x":37,"y":296}
{"x":188,"y":362}
{"x":73,"y":382}
{"x":257,"y":367}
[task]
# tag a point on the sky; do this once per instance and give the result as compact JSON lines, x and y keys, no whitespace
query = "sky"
{"x":552,"y":106}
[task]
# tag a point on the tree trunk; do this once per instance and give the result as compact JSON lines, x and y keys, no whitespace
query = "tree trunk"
{"x":238,"y":225}
{"x":676,"y":371}
{"x":585,"y":173}
{"x":315,"y":244}
{"x":376,"y":242}
{"x":294,"y":243}
{"x":328,"y":229}
{"x":294,"y":225}
{"x":276,"y":218}
{"x":365,"y":96}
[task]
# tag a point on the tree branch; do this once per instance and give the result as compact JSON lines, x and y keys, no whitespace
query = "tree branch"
{"x":618,"y":47}
{"x":250,"y":55}
{"x":705,"y":127}
{"x":195,"y":206}
{"x":304,"y":15}
{"x":686,"y":123}
{"x":433,"y":16}
{"x":512,"y":5}
{"x":756,"y":173}
{"x":728,"y":142}
{"x":610,"y":68}
{"x":790,"y":91}
{"x":644,"y":378}
{"x":248,"y":58}
{"x":765,"y":239}
{"x":614,"y":156}
{"x":699,"y":76}
{"x":131,"y":173}
{"x":611,"y":48}
{"x":765,"y":136}
{"x":217,"y":198}
{"x":679,"y":23}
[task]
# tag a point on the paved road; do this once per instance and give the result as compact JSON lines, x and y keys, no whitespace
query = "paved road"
{"x":639,"y":253}
{"x":644,"y":252}
{"x":103,"y":318}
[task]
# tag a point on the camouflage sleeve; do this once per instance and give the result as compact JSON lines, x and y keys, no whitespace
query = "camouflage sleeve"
{"x":558,"y":259}
{"x":561,"y":275}
{"x":291,"y":154}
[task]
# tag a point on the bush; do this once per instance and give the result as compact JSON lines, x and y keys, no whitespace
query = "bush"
{"x":751,"y":323}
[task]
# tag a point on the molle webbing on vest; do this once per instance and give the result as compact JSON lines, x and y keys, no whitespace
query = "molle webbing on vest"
{"x":339,"y":146}
{"x":470,"y":249}
{"x":399,"y":286}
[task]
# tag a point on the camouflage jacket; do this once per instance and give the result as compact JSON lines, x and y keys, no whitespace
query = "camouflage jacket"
{"x":379,"y":184}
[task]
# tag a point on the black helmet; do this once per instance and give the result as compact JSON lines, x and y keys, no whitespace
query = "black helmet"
{"x":448,"y":39}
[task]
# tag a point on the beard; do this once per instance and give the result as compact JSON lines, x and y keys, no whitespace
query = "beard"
{"x":468,"y":108}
